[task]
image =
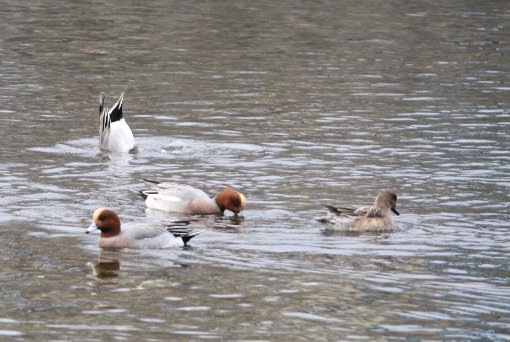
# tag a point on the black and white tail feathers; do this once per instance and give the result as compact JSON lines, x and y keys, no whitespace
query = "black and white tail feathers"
{"x":179,"y":229}
{"x":147,"y":191}
{"x":106,"y":117}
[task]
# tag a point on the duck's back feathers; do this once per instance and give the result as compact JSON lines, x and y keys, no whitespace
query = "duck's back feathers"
{"x":347,"y":211}
{"x":172,"y":191}
{"x":340,"y":210}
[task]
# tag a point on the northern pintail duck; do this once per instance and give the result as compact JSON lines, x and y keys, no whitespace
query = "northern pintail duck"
{"x":180,"y":198}
{"x":114,"y":133}
{"x":374,"y":218}
{"x":137,"y":235}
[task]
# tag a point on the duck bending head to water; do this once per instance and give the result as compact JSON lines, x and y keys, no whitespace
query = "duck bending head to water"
{"x":181,"y":198}
{"x":114,"y":133}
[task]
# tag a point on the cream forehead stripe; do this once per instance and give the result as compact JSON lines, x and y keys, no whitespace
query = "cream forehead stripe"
{"x":97,"y":213}
{"x":243,"y":200}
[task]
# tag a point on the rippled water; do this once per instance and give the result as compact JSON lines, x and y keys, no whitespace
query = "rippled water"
{"x":297,"y":104}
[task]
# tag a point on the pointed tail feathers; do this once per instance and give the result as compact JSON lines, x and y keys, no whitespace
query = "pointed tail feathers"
{"x":149,"y":184}
{"x":141,"y":193}
{"x":116,"y":111}
{"x":101,"y":103}
{"x":150,"y":181}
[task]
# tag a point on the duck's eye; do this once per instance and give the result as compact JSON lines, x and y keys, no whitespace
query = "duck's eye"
{"x":103,"y":217}
{"x":236,"y":202}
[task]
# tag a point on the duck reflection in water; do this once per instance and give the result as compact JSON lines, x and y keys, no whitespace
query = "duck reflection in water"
{"x":106,"y":269}
{"x":107,"y":266}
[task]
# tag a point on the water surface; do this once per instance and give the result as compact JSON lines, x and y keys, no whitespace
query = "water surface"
{"x":296,"y":104}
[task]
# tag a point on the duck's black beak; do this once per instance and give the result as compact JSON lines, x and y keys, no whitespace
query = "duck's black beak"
{"x":395,"y":211}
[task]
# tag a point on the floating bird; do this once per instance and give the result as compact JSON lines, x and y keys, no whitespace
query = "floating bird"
{"x":114,"y":133}
{"x":180,"y":198}
{"x":138,"y":234}
{"x":374,"y":218}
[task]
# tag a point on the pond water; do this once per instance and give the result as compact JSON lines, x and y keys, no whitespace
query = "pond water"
{"x":295,"y":103}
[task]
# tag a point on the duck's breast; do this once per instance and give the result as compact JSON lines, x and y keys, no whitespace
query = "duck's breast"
{"x":116,"y":242}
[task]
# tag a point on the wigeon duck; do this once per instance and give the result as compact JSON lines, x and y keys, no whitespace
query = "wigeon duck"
{"x":374,"y":218}
{"x":139,"y":235}
{"x":186,"y":199}
{"x":114,"y":133}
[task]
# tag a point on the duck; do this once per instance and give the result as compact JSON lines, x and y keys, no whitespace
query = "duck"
{"x":114,"y":133}
{"x":367,"y":218}
{"x":138,"y":235}
{"x":185,"y":199}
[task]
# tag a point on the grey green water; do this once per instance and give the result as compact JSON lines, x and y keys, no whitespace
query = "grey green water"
{"x":296,"y":104}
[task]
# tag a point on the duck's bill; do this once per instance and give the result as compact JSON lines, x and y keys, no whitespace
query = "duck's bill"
{"x":395,"y":211}
{"x":91,"y":228}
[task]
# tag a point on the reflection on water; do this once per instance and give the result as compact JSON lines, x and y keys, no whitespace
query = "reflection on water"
{"x":296,"y":104}
{"x":107,"y":266}
{"x":106,"y":269}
